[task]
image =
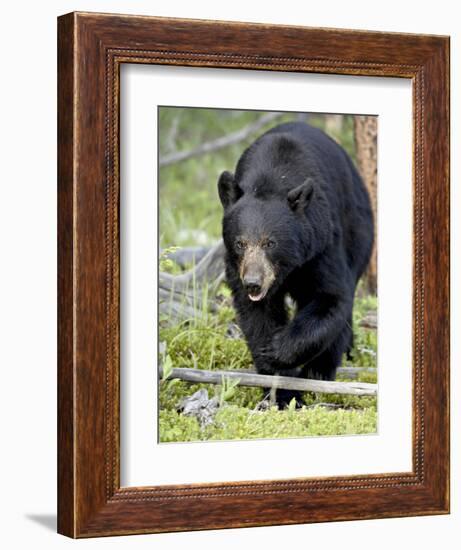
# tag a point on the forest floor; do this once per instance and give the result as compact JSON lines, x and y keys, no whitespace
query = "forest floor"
{"x":212,"y":341}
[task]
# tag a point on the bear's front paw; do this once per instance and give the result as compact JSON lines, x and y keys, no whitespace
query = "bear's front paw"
{"x":266,"y":355}
{"x":277,"y":352}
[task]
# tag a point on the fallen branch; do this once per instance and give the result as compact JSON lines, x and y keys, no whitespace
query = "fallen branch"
{"x":353,"y":372}
{"x":208,"y":270}
{"x":185,"y":257}
{"x":267,"y":381}
{"x":181,"y":296}
{"x":346,"y":372}
{"x":220,"y":143}
{"x":370,"y":321}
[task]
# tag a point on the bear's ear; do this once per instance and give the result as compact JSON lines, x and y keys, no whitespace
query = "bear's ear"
{"x":229,"y":191}
{"x":301,"y":195}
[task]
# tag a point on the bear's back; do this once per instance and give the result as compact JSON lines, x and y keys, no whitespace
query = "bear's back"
{"x":287,"y":154}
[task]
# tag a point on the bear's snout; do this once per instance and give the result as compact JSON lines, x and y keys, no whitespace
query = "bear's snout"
{"x":257,"y":273}
{"x":252,"y":284}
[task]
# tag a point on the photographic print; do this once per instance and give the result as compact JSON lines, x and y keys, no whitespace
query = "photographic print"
{"x":267,"y":274}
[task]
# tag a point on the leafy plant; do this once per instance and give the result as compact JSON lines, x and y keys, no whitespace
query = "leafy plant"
{"x":166,"y":263}
{"x":167,"y":367}
{"x":227,"y":390}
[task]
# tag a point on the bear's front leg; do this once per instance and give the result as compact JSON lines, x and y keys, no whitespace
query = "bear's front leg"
{"x":315,"y":327}
{"x":259,"y":322}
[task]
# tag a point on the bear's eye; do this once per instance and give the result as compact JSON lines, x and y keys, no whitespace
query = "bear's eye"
{"x":269,"y":244}
{"x":240,"y":244}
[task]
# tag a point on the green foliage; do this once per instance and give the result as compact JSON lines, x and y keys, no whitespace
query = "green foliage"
{"x":228,"y":386}
{"x":166,"y":264}
{"x":167,"y":367}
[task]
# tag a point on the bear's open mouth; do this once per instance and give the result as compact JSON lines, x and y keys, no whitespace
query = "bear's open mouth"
{"x":257,"y":297}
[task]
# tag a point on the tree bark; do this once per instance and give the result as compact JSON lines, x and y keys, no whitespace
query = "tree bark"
{"x":365,"y":132}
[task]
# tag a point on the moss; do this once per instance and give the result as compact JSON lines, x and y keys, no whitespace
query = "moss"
{"x":233,"y":422}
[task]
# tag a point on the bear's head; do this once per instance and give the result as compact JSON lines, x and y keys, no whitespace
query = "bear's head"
{"x":268,"y":235}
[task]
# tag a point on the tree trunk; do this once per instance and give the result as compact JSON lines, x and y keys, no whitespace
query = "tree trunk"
{"x":365,"y":131}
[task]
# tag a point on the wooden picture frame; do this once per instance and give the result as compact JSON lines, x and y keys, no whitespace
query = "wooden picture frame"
{"x":92,"y":48}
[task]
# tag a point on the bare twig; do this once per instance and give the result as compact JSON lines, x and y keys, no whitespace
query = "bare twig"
{"x":220,"y":143}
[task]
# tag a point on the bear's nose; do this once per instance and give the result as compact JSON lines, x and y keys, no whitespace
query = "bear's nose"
{"x":252,"y":285}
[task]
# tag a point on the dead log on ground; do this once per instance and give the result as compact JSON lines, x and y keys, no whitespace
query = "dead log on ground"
{"x":210,"y":268}
{"x":353,"y":372}
{"x":267,"y":381}
{"x":191,"y":255}
{"x":345,"y":372}
{"x":181,"y":296}
{"x":370,"y":320}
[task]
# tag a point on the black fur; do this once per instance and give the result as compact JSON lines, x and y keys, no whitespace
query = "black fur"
{"x":299,"y":188}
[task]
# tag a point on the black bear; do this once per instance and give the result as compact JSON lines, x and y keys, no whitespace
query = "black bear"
{"x":297,"y":221}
